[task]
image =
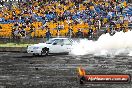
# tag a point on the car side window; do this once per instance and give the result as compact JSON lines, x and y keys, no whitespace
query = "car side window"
{"x":58,"y":42}
{"x":67,"y":42}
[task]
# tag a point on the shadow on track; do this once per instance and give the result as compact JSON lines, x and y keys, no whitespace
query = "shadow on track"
{"x":34,"y":56}
{"x":24,"y":56}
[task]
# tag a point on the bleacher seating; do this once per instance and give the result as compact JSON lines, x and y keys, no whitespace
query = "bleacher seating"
{"x":75,"y":14}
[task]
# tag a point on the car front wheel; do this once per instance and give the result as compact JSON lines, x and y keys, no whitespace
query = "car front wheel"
{"x":45,"y":52}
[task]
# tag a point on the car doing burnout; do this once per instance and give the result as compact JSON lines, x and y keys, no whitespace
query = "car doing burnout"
{"x":53,"y":45}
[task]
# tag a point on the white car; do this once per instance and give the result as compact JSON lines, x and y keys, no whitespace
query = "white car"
{"x":54,"y":45}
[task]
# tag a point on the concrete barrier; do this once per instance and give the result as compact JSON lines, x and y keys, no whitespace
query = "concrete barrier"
{"x":13,"y":49}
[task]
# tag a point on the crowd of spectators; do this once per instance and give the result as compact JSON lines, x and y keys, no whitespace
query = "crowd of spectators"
{"x":95,"y":14}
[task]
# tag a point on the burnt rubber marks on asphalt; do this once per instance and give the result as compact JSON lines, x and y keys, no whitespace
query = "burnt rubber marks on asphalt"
{"x":21,"y":70}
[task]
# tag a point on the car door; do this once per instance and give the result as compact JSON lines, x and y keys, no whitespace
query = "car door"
{"x":67,"y":44}
{"x":57,"y":46}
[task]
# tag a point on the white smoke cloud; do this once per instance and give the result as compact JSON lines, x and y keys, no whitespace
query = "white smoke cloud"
{"x":120,"y":43}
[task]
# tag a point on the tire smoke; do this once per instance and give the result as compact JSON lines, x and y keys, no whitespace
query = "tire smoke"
{"x":119,"y":43}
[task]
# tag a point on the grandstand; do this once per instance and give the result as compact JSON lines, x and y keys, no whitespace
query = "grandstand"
{"x":35,"y":17}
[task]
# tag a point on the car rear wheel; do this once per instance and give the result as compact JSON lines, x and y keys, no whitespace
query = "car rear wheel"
{"x":45,"y":52}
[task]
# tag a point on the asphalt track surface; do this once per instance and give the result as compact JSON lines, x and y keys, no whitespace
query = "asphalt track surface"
{"x":22,"y":70}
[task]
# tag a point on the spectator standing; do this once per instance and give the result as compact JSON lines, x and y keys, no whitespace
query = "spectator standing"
{"x":17,"y":35}
{"x":99,"y":24}
{"x":13,"y":34}
{"x":48,"y":35}
{"x":90,"y":33}
{"x":121,"y":8}
{"x":79,"y":34}
{"x":23,"y":32}
{"x":70,"y":33}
